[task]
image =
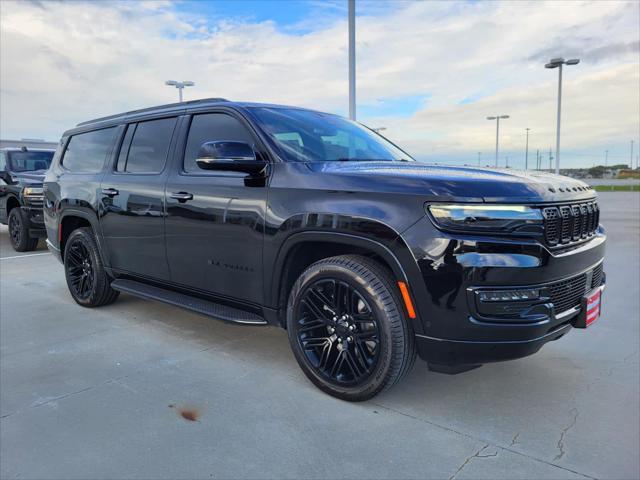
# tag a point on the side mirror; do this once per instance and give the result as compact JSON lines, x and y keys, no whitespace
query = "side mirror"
{"x":229,"y":156}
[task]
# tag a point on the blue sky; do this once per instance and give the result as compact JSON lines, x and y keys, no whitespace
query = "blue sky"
{"x":287,"y":14}
{"x":429,"y":72}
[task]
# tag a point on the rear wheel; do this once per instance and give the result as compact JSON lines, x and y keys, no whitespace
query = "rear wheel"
{"x":19,"y":231}
{"x":347,"y":329}
{"x":88,"y":282}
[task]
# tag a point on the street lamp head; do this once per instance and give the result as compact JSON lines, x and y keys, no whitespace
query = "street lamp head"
{"x":491,"y":118}
{"x":573,"y":61}
{"x":188,"y":83}
{"x":504,"y":116}
{"x":171,"y":82}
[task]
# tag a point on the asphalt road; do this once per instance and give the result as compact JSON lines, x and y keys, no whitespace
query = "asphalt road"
{"x":101,"y":393}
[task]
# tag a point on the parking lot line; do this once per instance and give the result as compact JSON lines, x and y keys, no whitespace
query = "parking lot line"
{"x":23,"y":256}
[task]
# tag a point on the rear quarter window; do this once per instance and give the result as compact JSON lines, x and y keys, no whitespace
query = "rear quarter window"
{"x":86,"y":152}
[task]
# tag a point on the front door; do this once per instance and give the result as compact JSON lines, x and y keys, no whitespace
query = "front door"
{"x":133,"y":209}
{"x":214,"y":223}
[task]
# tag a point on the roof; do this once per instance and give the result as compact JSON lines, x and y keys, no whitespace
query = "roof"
{"x":174,"y":107}
{"x":168,"y":106}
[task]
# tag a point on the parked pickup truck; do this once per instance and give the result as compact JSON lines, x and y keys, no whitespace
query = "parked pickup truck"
{"x":264,"y":214}
{"x":21,"y":174}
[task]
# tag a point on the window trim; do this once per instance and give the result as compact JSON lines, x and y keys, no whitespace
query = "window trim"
{"x":108,"y":152}
{"x":127,"y":125}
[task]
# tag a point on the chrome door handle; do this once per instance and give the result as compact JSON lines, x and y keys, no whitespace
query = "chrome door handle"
{"x":182,"y":196}
{"x":110,"y":192}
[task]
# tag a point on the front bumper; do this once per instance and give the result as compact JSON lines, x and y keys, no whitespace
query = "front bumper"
{"x":451,"y":270}
{"x":35,"y":217}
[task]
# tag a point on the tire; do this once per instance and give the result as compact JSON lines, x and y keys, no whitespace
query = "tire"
{"x":19,"y":231}
{"x":87,"y":280}
{"x":368,"y":323}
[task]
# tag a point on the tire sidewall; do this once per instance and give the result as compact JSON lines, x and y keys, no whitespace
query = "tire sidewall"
{"x":378,"y":377}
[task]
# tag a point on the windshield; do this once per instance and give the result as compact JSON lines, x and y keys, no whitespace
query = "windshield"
{"x":29,"y":161}
{"x":308,"y":136}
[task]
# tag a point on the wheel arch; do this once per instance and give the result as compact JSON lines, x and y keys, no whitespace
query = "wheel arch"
{"x":72,"y":219}
{"x":304,"y":248}
{"x":12,"y":202}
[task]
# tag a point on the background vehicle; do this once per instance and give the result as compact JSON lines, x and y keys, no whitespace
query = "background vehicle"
{"x":261,"y":214}
{"x":21,"y":174}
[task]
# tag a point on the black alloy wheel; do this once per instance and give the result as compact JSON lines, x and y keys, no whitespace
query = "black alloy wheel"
{"x":80,"y":269}
{"x":338,"y":331}
{"x":347,"y":327}
{"x":87,"y":279}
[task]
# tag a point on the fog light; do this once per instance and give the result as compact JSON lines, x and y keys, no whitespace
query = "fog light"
{"x":509,"y":295}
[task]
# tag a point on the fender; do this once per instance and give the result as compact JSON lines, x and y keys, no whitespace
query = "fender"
{"x":394,"y":258}
{"x":89,"y":215}
{"x":4,"y":214}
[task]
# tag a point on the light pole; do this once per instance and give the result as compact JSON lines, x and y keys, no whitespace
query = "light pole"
{"x":180,"y":86}
{"x":526,"y":151}
{"x":352,"y":59}
{"x":497,"y":119}
{"x":479,"y":155}
{"x":606,"y":157}
{"x":558,"y":63}
{"x":631,"y":156}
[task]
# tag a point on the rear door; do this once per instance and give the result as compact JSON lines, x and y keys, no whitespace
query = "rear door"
{"x":215,"y":224}
{"x":132,"y":190}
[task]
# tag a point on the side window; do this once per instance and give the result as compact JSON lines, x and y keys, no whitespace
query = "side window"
{"x":86,"y":152}
{"x":3,"y":161}
{"x":149,"y":146}
{"x":211,"y":127}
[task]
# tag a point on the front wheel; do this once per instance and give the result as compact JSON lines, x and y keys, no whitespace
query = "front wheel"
{"x":19,"y":231}
{"x":347,"y":328}
{"x":88,"y":282}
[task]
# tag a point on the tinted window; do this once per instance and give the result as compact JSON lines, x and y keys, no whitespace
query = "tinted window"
{"x":86,"y":152}
{"x":308,"y":136}
{"x":150,"y":146}
{"x":212,"y":127}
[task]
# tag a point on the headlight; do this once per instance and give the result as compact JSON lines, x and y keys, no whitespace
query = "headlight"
{"x":503,"y":218}
{"x":28,"y":191}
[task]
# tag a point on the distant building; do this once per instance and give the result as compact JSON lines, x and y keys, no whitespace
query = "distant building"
{"x":29,"y":143}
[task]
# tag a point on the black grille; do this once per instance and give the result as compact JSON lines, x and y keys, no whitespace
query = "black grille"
{"x":596,"y":279}
{"x":567,"y":294}
{"x":570,"y":223}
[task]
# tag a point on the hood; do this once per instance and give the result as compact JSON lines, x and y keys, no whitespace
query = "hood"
{"x":438,"y":183}
{"x":33,"y":177}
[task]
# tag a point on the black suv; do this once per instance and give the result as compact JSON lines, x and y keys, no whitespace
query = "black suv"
{"x":21,"y":174}
{"x":265,"y":214}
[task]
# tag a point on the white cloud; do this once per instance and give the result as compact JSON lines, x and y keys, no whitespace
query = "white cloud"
{"x":62,"y":63}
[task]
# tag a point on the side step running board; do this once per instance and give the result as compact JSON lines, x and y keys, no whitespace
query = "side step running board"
{"x":188,"y":302}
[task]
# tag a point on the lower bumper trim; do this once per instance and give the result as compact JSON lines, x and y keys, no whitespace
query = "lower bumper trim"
{"x":461,"y":352}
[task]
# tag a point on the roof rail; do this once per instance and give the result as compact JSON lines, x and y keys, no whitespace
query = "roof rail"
{"x":150,"y":109}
